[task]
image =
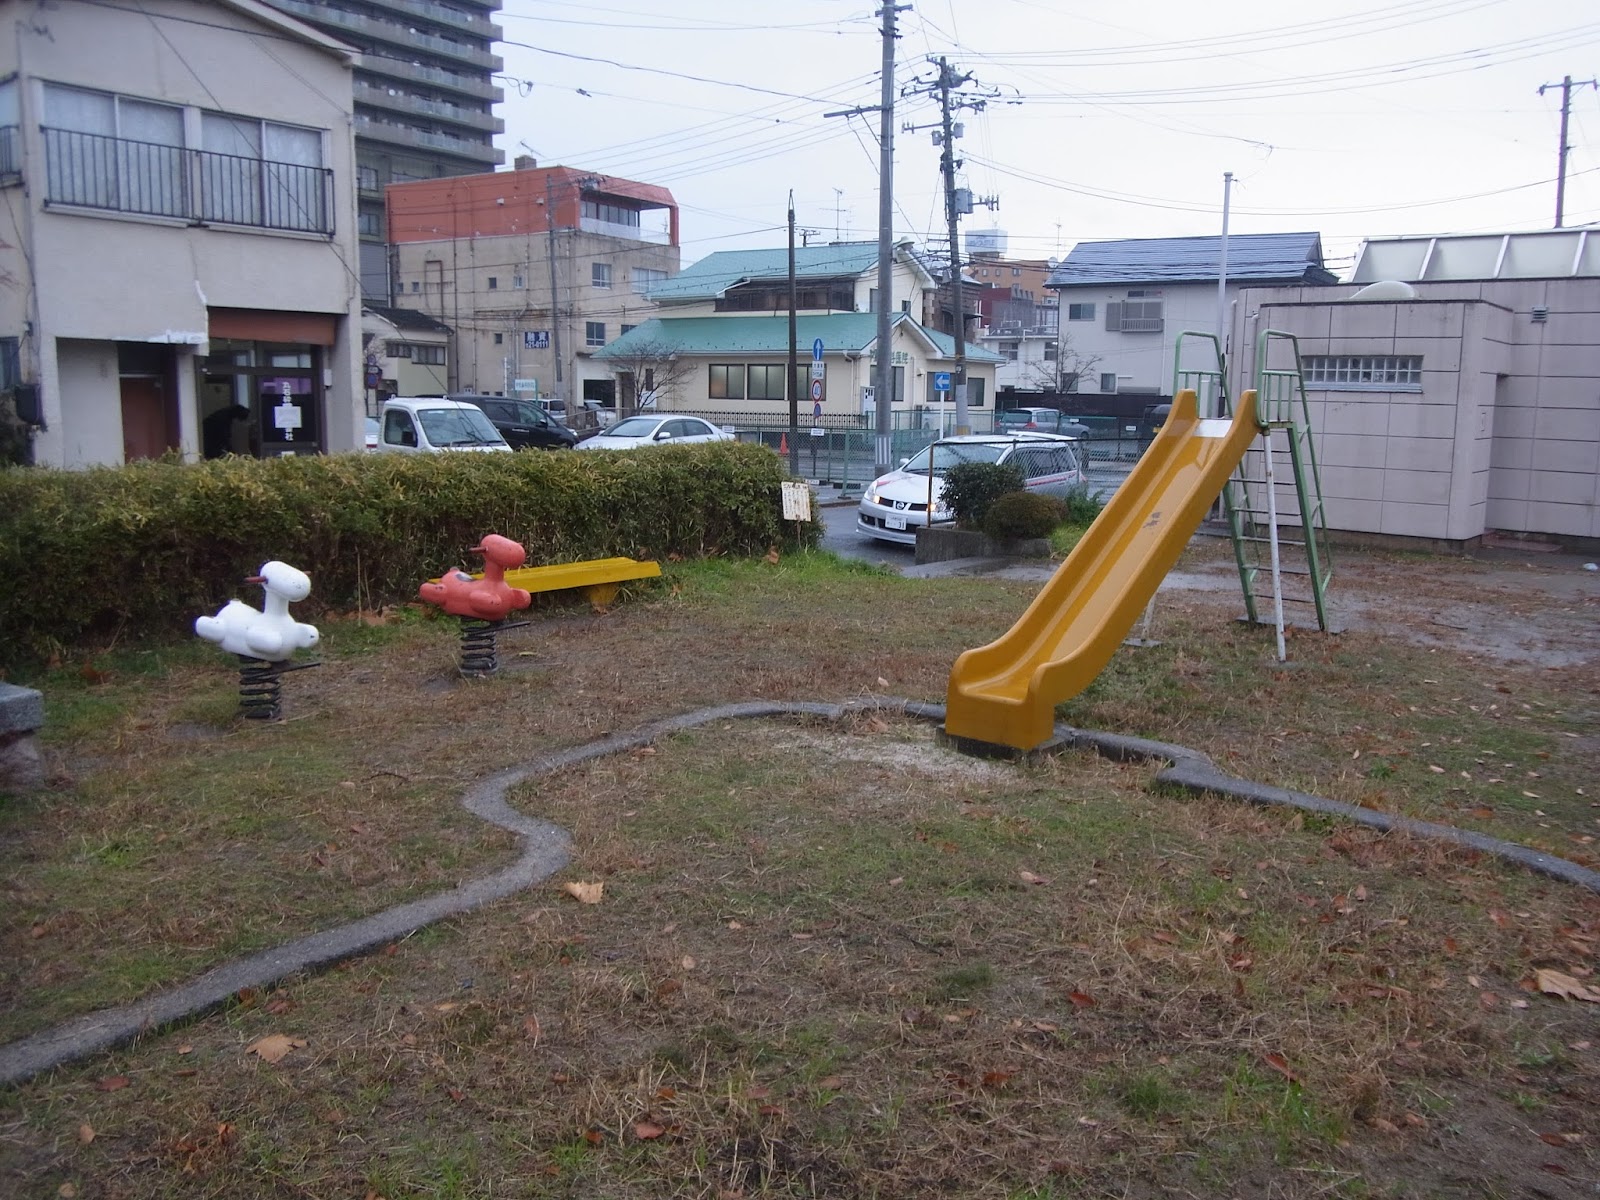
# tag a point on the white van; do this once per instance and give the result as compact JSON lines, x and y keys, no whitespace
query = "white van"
{"x":429,"y":424}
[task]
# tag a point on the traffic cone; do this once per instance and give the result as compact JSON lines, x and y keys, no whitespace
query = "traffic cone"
{"x":783,"y":445}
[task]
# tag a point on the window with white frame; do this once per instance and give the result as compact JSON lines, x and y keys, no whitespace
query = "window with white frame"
{"x":1108,"y":381}
{"x":1364,"y":372}
{"x":600,"y":274}
{"x":1080,"y":312}
{"x":1050,"y":351}
{"x":115,"y":152}
{"x":1009,"y":350}
{"x":262,"y":173}
{"x":594,"y":333}
{"x":428,"y":356}
{"x":1134,"y":316}
{"x":645,"y":278}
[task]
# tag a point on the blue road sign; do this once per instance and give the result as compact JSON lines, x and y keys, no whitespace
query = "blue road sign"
{"x":536,"y":339}
{"x":941,"y":381}
{"x":816,"y":350}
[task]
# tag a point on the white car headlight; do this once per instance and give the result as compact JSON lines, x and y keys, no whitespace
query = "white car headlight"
{"x":872,"y":493}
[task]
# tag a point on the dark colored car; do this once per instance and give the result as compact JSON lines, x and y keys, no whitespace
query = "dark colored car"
{"x":523,"y":423}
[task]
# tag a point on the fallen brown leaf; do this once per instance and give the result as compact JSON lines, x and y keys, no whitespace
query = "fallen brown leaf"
{"x":1281,"y":1065}
{"x":86,"y":1133}
{"x":584,"y":893}
{"x":1557,"y":983}
{"x":274,"y":1046}
{"x":647,"y":1130}
{"x":111,"y":1083}
{"x":1030,"y":877}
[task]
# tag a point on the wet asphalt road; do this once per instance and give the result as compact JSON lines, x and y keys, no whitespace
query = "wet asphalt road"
{"x":839,"y":535}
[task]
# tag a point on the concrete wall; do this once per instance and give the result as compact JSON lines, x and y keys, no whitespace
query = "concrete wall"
{"x":1504,"y":433}
{"x":109,"y":276}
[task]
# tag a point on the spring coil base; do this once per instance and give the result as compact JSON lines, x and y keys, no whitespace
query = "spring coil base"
{"x":261,"y":686}
{"x":479,"y":653}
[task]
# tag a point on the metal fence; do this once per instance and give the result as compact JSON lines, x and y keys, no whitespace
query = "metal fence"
{"x":94,"y":171}
{"x":838,"y":449}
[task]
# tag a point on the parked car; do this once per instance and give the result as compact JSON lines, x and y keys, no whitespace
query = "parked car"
{"x":601,"y":415}
{"x":372,"y":433}
{"x":1038,"y":420}
{"x":523,"y":423}
{"x":895,"y":505}
{"x":555,"y":408}
{"x":1107,"y":437}
{"x":655,"y":430}
{"x":428,"y":424}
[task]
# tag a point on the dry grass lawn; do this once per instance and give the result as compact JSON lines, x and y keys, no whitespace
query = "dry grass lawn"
{"x":833,"y":959}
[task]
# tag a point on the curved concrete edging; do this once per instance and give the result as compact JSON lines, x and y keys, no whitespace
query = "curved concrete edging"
{"x":1195,"y":772}
{"x":546,"y":849}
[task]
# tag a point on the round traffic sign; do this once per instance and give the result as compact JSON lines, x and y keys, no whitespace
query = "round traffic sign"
{"x":816,"y":390}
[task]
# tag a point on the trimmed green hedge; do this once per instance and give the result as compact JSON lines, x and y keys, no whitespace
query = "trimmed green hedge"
{"x":150,"y":546}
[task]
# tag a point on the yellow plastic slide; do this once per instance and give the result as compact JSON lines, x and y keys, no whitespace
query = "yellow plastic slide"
{"x":1005,"y":693}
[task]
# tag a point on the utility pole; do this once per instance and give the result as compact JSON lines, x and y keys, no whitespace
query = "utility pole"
{"x":578,"y":186}
{"x":1222,"y":270}
{"x":883,"y":372}
{"x":555,"y":302}
{"x":883,"y":377}
{"x":1566,"y":86}
{"x":956,"y":203}
{"x":793,"y":389}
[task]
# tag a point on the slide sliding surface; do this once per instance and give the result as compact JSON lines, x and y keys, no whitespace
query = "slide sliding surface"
{"x":1005,"y":693}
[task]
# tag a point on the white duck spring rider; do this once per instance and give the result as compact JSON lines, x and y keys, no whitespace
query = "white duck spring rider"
{"x":270,"y":634}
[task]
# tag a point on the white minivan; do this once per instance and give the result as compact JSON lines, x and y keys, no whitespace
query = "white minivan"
{"x":429,"y":424}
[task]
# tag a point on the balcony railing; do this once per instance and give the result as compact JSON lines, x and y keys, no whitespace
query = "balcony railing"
{"x":89,"y":170}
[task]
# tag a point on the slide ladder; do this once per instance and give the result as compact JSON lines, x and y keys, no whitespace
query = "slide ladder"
{"x":1208,"y":382}
{"x":1263,"y":501}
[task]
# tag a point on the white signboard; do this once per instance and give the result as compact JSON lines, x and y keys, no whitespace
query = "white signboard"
{"x":286,"y":416}
{"x":796,"y":501}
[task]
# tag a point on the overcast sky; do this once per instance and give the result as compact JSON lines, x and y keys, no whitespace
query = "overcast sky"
{"x":1349,"y":117}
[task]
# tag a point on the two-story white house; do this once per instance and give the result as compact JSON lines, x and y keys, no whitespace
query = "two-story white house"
{"x":1124,"y":303}
{"x":720,"y":345}
{"x":177,"y":236}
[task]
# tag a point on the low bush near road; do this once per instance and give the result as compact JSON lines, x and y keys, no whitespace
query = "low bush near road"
{"x":146,"y":547}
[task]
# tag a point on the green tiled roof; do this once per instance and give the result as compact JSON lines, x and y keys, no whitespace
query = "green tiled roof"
{"x":841,"y":333}
{"x":714,"y":274}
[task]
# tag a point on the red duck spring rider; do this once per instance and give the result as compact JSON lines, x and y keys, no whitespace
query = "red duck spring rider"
{"x":481,"y":603}
{"x":264,"y":639}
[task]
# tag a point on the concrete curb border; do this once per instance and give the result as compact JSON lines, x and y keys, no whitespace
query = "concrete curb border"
{"x":547,"y":848}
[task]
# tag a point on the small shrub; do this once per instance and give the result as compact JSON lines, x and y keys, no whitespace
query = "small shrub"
{"x":970,"y":488}
{"x":1019,"y":515}
{"x":1082,"y":508}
